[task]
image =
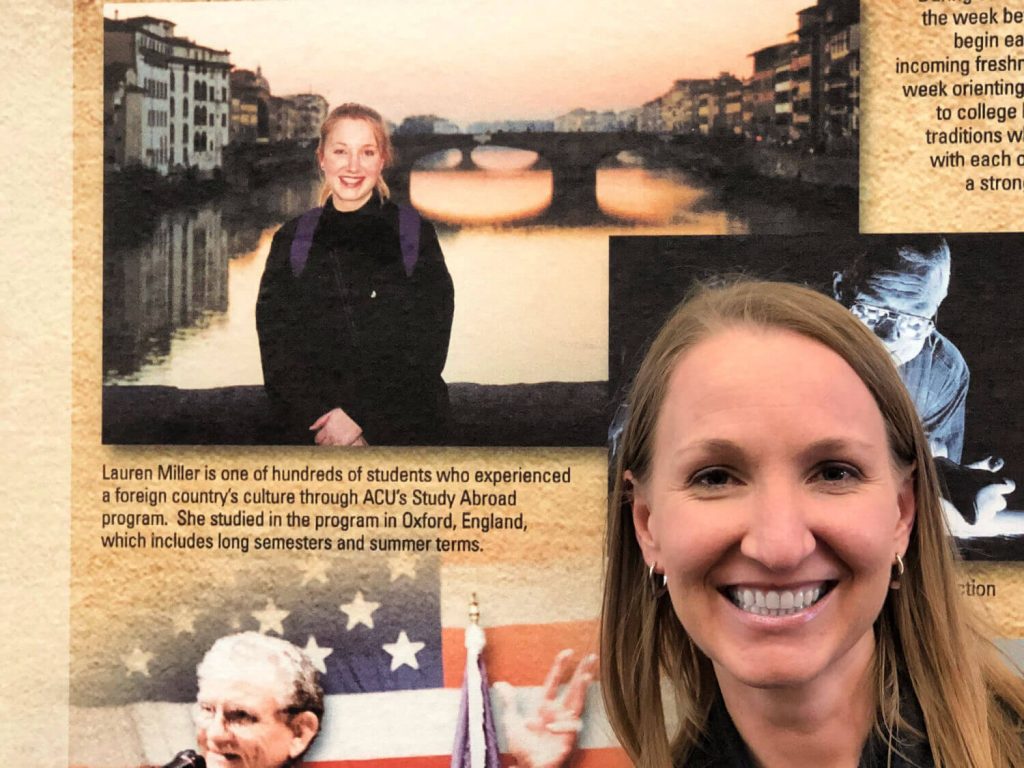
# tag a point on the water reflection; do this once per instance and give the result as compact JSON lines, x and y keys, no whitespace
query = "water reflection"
{"x":653,"y":197}
{"x":176,"y":280}
{"x":493,"y":158}
{"x":446,"y":159}
{"x":531,"y":291}
{"x":480,"y":197}
{"x":175,"y":302}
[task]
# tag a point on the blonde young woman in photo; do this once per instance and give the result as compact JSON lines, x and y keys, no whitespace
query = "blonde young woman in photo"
{"x":355,"y":306}
{"x":777,"y":558}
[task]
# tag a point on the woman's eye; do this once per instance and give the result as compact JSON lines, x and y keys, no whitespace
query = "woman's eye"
{"x":837,"y":473}
{"x":713,"y":477}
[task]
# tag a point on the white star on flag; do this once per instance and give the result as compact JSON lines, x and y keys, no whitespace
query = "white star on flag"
{"x":270,"y":618}
{"x":317,"y":654}
{"x":314,"y":570}
{"x":402,"y":565}
{"x":138,"y":661}
{"x":359,"y":611}
{"x":403,"y":651}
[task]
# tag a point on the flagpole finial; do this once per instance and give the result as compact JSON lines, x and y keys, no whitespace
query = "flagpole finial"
{"x":474,"y":610}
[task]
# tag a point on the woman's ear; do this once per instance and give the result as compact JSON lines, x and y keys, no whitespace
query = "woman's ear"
{"x":640,"y":501}
{"x":906,"y":504}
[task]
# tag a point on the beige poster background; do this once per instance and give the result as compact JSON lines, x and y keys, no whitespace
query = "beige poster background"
{"x":900,"y":190}
{"x":35,"y":353}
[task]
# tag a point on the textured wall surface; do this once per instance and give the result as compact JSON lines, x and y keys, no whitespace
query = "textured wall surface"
{"x":35,"y":211}
{"x":900,"y":190}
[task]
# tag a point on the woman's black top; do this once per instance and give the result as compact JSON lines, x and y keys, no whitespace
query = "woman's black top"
{"x":723,"y":747}
{"x":354,"y":331}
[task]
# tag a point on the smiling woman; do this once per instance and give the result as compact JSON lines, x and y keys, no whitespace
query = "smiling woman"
{"x":355,"y":307}
{"x":776,"y":548}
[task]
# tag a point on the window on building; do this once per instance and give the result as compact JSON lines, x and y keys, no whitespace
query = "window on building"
{"x":184,"y":134}
{"x":184,"y":108}
{"x":223,"y":121}
{"x":172,"y":106}
{"x":172,"y":79}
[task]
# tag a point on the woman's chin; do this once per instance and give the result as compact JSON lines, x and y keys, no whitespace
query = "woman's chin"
{"x":769,"y":673}
{"x":349,"y":199}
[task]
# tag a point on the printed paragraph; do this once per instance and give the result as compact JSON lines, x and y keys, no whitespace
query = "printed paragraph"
{"x":365,"y":508}
{"x":973,"y":92}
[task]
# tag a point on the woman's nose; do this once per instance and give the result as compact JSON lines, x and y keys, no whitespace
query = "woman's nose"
{"x":777,"y":533}
{"x":353,"y":161}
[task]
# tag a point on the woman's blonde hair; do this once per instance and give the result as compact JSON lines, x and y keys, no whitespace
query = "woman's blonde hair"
{"x":926,"y":635}
{"x":353,"y":111}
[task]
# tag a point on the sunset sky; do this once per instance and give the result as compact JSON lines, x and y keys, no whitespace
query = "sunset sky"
{"x":469,"y":60}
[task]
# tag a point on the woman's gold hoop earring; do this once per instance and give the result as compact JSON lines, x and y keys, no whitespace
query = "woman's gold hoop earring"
{"x":898,"y":569}
{"x":657,"y":581}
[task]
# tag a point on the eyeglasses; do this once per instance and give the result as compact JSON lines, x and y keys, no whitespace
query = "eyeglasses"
{"x":234,"y":719}
{"x":904,"y":324}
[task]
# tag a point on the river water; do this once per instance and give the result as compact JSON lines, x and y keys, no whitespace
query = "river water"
{"x":531,"y":289}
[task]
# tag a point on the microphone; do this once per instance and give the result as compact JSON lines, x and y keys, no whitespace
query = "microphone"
{"x":187,"y":758}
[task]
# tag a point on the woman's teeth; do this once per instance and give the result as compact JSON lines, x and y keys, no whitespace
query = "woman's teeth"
{"x":772,"y":602}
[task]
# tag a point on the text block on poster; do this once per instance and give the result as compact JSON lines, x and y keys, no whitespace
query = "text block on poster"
{"x":943,"y":132}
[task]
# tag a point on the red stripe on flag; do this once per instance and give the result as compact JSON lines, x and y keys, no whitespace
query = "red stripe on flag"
{"x":520,"y":654}
{"x":586,"y":758}
{"x":443,"y":761}
{"x":609,"y":757}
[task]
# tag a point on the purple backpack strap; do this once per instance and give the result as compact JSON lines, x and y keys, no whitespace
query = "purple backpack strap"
{"x":303,"y":240}
{"x":409,"y":236}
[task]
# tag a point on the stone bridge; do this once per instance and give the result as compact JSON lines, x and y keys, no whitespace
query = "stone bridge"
{"x":572,"y":157}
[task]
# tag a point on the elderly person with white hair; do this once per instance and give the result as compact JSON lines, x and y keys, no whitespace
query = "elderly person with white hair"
{"x":260,"y":705}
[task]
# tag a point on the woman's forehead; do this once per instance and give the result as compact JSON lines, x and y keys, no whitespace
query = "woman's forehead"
{"x":745,"y":375}
{"x":352,"y":130}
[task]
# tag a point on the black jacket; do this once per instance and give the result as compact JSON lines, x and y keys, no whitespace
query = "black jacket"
{"x":723,"y":747}
{"x":353,"y":331}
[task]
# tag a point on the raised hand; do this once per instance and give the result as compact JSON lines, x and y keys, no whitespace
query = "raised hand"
{"x":548,"y":736}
